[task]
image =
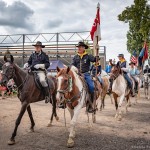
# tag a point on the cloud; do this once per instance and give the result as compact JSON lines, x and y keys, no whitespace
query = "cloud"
{"x":49,"y":16}
{"x":16,"y":15}
{"x":54,"y":23}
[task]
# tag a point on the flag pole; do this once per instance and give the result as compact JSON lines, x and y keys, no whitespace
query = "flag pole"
{"x":97,"y":45}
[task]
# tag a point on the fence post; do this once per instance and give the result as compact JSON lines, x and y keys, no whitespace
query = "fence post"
{"x":57,"y":40}
{"x":23,"y":50}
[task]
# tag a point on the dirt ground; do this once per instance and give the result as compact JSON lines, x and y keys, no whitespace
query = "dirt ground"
{"x":133,"y":132}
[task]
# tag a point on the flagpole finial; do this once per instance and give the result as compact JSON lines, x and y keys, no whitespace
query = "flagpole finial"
{"x":98,"y":5}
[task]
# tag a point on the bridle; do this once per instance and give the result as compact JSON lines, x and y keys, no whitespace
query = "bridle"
{"x":13,"y":74}
{"x":115,"y":75}
{"x":69,"y":87}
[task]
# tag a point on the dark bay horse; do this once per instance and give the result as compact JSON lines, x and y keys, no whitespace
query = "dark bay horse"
{"x":27,"y":92}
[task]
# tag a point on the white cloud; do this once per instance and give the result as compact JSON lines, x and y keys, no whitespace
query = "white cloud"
{"x":66,"y":15}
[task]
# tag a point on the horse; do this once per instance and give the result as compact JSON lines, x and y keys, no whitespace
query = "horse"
{"x":119,"y":89}
{"x":105,"y":77}
{"x":28,"y":92}
{"x":146,"y":85}
{"x":73,"y":89}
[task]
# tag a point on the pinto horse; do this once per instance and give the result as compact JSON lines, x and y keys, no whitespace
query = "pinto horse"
{"x":73,"y":89}
{"x":119,"y":89}
{"x":28,"y":92}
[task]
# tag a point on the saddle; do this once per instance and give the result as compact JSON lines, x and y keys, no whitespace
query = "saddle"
{"x":38,"y":83}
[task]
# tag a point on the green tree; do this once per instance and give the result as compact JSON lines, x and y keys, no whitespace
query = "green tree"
{"x":138,"y":17}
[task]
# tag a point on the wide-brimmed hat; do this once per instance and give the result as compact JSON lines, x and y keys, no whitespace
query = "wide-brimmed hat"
{"x":82,"y":44}
{"x":131,"y":63}
{"x":120,"y":55}
{"x":38,"y":43}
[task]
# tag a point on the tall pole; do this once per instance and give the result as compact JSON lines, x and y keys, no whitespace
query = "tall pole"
{"x":97,"y":39}
{"x":57,"y":39}
{"x":23,"y":50}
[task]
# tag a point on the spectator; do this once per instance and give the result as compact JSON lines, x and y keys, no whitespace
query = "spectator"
{"x":2,"y":88}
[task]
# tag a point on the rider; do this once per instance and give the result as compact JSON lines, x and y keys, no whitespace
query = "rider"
{"x":123,"y":65}
{"x":109,"y":66}
{"x":39,"y":61}
{"x":96,"y":71}
{"x":133,"y":71}
{"x":82,"y":62}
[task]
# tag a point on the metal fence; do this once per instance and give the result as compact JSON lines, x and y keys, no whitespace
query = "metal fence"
{"x":58,"y":45}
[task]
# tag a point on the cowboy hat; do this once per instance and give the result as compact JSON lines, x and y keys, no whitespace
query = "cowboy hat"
{"x":120,"y":55}
{"x":38,"y":43}
{"x":82,"y":44}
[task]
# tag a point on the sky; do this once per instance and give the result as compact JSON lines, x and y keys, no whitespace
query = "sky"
{"x":42,"y":16}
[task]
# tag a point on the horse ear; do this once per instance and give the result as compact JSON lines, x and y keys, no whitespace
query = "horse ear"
{"x":5,"y":58}
{"x":68,"y":69}
{"x":58,"y":69}
{"x":9,"y":58}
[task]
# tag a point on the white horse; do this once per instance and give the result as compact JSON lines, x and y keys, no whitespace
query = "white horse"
{"x":73,"y":90}
{"x":119,"y":89}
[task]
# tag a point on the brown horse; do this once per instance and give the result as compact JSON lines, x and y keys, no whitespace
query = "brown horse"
{"x":28,"y":92}
{"x":73,"y":90}
{"x":105,"y":92}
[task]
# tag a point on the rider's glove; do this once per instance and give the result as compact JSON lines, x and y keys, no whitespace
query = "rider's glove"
{"x":37,"y":66}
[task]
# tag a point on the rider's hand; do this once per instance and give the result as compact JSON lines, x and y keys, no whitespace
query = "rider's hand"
{"x":37,"y":66}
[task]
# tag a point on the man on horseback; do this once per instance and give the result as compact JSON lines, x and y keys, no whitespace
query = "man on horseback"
{"x":39,"y":61}
{"x":82,"y":62}
{"x":133,"y":71}
{"x":123,"y":65}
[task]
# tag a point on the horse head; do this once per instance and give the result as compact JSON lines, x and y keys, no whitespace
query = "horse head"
{"x":115,"y":72}
{"x":64,"y":83}
{"x":7,"y":69}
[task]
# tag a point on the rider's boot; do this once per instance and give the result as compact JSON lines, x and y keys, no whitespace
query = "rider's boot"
{"x":90,"y":107}
{"x":47,"y":94}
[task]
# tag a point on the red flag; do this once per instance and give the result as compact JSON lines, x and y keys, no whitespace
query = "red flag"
{"x":95,"y":31}
{"x":145,"y":52}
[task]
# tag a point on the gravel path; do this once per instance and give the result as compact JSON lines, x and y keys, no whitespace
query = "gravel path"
{"x":133,"y":132}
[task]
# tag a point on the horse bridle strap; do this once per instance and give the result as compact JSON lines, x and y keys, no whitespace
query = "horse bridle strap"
{"x":115,"y":75}
{"x":69,"y":86}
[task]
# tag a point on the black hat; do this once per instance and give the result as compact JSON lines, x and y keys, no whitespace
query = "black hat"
{"x":82,"y":44}
{"x":131,"y":63}
{"x":120,"y":55}
{"x":38,"y":43}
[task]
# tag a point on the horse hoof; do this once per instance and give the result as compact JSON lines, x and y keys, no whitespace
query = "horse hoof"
{"x":32,"y":130}
{"x":11,"y":142}
{"x":70,"y":143}
{"x":94,"y":119}
{"x":49,"y":125}
{"x":57,"y":118}
{"x":119,"y":118}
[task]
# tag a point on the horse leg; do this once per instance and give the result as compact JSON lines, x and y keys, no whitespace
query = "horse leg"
{"x":116,"y":104}
{"x":127,"y":105}
{"x":111,"y":98}
{"x":22,"y":111}
{"x":31,"y":118}
{"x":70,"y":142}
{"x":53,"y":111}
